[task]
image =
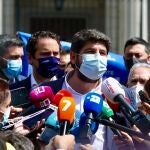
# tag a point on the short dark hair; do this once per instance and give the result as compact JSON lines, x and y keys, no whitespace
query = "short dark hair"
{"x":136,"y":40}
{"x":32,"y":42}
{"x":82,"y":37}
{"x":7,"y":41}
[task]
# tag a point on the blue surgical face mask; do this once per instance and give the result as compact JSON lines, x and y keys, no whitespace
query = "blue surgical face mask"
{"x":6,"y":116}
{"x":13,"y":69}
{"x":93,"y":66}
{"x":48,"y":66}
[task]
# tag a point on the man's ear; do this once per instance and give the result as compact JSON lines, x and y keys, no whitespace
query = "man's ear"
{"x":30,"y":58}
{"x":148,"y":59}
{"x":72,"y":57}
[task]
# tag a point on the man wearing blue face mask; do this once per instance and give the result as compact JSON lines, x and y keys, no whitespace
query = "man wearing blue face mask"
{"x":11,"y":52}
{"x":88,"y":56}
{"x":44,"y":55}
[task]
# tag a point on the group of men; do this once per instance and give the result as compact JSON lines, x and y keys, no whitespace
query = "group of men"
{"x":88,"y":59}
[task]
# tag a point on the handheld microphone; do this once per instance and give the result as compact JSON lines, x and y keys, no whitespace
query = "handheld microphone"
{"x":122,"y":128}
{"x":85,"y":132}
{"x":93,"y":103}
{"x":92,"y":107}
{"x":143,"y":97}
{"x":107,"y":113}
{"x":41,"y":96}
{"x":114,"y":92}
{"x":59,"y":95}
{"x":51,"y":128}
{"x":66,"y":110}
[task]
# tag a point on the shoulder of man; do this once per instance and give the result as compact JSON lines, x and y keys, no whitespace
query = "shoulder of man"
{"x":23,"y":83}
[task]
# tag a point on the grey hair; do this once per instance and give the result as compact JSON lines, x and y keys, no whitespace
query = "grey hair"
{"x":137,"y":65}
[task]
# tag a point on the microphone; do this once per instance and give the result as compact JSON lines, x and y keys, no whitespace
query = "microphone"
{"x":59,"y":95}
{"x":143,"y":97}
{"x":65,"y":112}
{"x":51,"y":128}
{"x":107,"y":113}
{"x":41,"y":96}
{"x":92,"y":107}
{"x":93,"y":104}
{"x":115,"y":93}
{"x":122,"y":128}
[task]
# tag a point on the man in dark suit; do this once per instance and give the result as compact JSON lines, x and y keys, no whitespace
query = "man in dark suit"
{"x":43,"y":54}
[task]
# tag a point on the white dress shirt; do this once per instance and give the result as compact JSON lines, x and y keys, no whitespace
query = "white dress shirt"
{"x":100,"y":136}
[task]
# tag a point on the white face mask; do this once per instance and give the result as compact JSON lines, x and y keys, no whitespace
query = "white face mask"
{"x":133,"y":94}
{"x":93,"y":66}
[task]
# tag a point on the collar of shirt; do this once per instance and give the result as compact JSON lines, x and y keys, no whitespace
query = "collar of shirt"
{"x":33,"y":81}
{"x":79,"y":98}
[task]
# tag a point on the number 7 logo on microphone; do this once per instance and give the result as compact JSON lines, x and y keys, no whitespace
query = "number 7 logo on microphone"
{"x":66,"y":109}
{"x":67,"y":104}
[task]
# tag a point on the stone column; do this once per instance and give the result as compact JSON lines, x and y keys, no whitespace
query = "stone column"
{"x":1,"y":16}
{"x":123,"y":20}
{"x":8,"y":16}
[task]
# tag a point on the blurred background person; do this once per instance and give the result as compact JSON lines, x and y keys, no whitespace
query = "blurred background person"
{"x":65,"y":61}
{"x":136,"y":50}
{"x":139,"y":74}
{"x":145,"y":105}
{"x":11,"y":52}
